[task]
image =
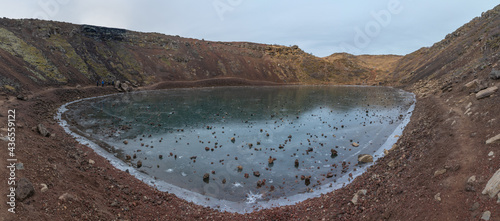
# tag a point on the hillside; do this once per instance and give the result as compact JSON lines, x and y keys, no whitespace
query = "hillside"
{"x":37,"y":54}
{"x":470,"y":52}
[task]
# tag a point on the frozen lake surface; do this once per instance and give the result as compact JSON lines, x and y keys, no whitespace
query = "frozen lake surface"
{"x":242,"y":148}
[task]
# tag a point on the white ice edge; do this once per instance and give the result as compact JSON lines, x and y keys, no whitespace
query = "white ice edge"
{"x":225,"y":205}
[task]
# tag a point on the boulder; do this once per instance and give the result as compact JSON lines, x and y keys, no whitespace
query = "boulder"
{"x":117,"y":85}
{"x":486,"y":92}
{"x":354,"y":144}
{"x":355,"y":198}
{"x":67,"y":197}
{"x":22,"y":97}
{"x":439,"y":172}
{"x":472,"y":84}
{"x":493,"y":186}
{"x":44,"y":187}
{"x":271,"y":160}
{"x":365,"y":158}
{"x":24,"y":189}
{"x":42,"y":130}
{"x":495,"y":74}
{"x":334,"y":152}
{"x":470,"y":185}
{"x":307,"y":180}
{"x":493,"y":139}
{"x":486,"y":215}
{"x":437,"y":197}
{"x":125,"y":87}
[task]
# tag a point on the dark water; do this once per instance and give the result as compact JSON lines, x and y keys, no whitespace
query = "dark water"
{"x":180,"y":135}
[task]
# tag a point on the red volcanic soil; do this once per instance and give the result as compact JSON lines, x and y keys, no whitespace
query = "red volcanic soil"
{"x":403,"y":185}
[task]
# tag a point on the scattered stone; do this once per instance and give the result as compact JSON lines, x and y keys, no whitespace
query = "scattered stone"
{"x":493,"y":186}
{"x":224,"y":181}
{"x":24,"y":189}
{"x":491,"y":153}
{"x":495,"y":74}
{"x":139,"y":164}
{"x":92,"y":162}
{"x":472,"y":84}
{"x":125,"y":87}
{"x":386,"y":152}
{"x":355,"y":198}
{"x":240,"y":168}
{"x":308,"y":180}
{"x":128,"y":157}
{"x":493,"y":139}
{"x":437,"y":197}
{"x":468,"y":105}
{"x":160,"y":156}
{"x":66,"y":197}
{"x":22,"y":97}
{"x":233,"y":139}
{"x":486,"y":215}
{"x":125,"y":142}
{"x":256,"y":173}
{"x":486,"y":92}
{"x":259,"y":183}
{"x":117,"y":85}
{"x":115,"y":203}
{"x":246,"y":175}
{"x":365,"y":158}
{"x":354,"y":144}
{"x":271,"y":160}
{"x":207,"y":148}
{"x":334,"y":152}
{"x":439,"y":172}
{"x":44,"y":187}
{"x":474,"y":207}
{"x":296,"y":162}
{"x":206,"y":176}
{"x":470,"y":184}
{"x":43,"y":131}
{"x":329,"y":175}
{"x":452,"y":167}
{"x":19,"y":166}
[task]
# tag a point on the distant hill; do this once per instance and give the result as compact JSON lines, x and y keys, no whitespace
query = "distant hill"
{"x":35,"y":54}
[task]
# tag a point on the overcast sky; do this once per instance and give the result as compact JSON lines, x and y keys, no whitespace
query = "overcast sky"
{"x":320,"y":27}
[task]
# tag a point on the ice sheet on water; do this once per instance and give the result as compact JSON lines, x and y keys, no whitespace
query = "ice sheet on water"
{"x":252,"y":201}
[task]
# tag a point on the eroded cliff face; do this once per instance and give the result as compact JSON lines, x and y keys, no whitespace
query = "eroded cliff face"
{"x":36,"y":54}
{"x":471,"y":52}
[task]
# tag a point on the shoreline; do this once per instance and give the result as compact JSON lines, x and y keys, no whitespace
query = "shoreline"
{"x":225,"y":205}
{"x":94,"y":189}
